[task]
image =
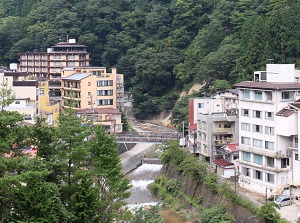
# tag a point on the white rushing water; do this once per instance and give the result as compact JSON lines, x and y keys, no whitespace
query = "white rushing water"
{"x":141,"y":178}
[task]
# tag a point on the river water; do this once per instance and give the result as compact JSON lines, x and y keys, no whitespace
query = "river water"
{"x":141,"y":178}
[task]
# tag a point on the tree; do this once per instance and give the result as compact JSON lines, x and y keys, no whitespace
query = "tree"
{"x":105,"y":166}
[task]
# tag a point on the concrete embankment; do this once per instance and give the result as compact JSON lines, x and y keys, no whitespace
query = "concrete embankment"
{"x":133,"y":158}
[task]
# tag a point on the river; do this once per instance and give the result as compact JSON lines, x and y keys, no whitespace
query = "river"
{"x":140,"y":193}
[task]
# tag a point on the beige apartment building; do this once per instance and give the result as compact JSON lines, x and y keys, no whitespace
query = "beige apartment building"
{"x":109,"y":118}
{"x":49,"y":64}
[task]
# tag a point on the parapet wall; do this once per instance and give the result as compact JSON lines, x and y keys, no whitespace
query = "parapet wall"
{"x":133,"y":158}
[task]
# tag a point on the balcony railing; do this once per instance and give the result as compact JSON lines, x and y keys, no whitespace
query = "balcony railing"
{"x":74,"y":86}
{"x":223,"y":141}
{"x":265,"y":152}
{"x":223,"y":130}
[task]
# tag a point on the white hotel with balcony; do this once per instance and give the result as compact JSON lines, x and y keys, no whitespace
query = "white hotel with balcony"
{"x":268,"y":130}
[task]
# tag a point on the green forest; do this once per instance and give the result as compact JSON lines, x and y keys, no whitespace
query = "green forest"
{"x":161,"y":46}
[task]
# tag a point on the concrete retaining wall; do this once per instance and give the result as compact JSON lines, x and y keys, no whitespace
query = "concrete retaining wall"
{"x":133,"y":158}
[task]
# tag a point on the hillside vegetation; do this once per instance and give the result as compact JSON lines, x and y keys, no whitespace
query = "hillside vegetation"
{"x":161,"y":46}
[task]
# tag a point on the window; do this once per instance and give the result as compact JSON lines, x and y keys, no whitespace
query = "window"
{"x":269,"y":130}
{"x":57,"y":63}
{"x":270,"y":178}
{"x":258,"y":159}
{"x":257,"y":114}
{"x":285,"y":162}
{"x":296,"y":156}
{"x":104,"y":102}
{"x":257,"y":128}
{"x":104,"y":92}
{"x":246,"y":171}
{"x":37,"y":63}
{"x":89,"y":93}
{"x":227,"y":126}
{"x":246,"y":140}
{"x":258,"y":95}
{"x":201,"y":105}
{"x":71,"y":56}
{"x":17,"y":102}
{"x":37,"y":57}
{"x":285,"y":95}
{"x":89,"y":102}
{"x":269,"y":95}
{"x":257,"y":143}
{"x":71,"y":63}
{"x":270,"y":161}
{"x":56,"y":57}
{"x":97,"y":73}
{"x":269,"y":145}
{"x":269,"y":115}
{"x":257,"y":174}
{"x":245,"y":112}
{"x":246,"y":156}
{"x":89,"y":83}
{"x":104,"y":83}
{"x":53,"y":69}
{"x":246,"y":94}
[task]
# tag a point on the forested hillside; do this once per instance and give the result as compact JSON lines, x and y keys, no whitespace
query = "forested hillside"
{"x":161,"y":46}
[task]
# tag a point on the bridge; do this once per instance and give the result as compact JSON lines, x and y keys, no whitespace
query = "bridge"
{"x":158,"y":137}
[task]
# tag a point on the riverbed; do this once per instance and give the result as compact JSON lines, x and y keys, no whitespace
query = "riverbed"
{"x":141,"y":178}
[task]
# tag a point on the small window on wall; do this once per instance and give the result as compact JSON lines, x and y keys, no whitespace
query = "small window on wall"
{"x":201,"y":105}
{"x":246,"y":171}
{"x":270,"y":178}
{"x":257,"y":174}
{"x":245,"y":112}
{"x":285,"y":162}
{"x":296,"y":157}
{"x":246,"y":94}
{"x":17,"y":102}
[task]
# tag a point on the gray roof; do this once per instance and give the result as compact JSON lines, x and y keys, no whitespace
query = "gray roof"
{"x":268,"y":85}
{"x":76,"y":77}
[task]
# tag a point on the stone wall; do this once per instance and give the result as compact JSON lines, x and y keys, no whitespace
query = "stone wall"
{"x":210,"y":199}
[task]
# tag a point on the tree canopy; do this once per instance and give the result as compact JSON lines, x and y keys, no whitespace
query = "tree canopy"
{"x":162,"y":47}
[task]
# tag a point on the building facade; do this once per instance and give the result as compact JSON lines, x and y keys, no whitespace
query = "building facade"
{"x":109,"y":118}
{"x":49,"y":64}
{"x":268,"y":136}
{"x":26,"y":92}
{"x":217,"y":123}
{"x":92,"y":87}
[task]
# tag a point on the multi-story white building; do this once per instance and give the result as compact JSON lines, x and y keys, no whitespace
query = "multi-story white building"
{"x":26,"y":92}
{"x":217,"y":123}
{"x":269,"y":129}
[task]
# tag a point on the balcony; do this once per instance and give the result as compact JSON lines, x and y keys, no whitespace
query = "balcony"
{"x":73,"y":86}
{"x":263,"y":167}
{"x":221,"y":117}
{"x":223,"y":130}
{"x":265,"y":152}
{"x":221,"y":142}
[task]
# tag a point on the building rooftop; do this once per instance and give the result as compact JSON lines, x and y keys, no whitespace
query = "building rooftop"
{"x":268,"y":85}
{"x":221,"y":162}
{"x":233,"y":147}
{"x":285,"y":112}
{"x":76,"y":77}
{"x":193,"y":126}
